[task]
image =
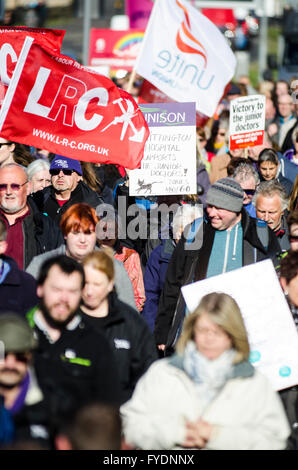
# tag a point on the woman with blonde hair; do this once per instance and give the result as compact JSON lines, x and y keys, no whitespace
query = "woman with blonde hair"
{"x":125,"y":328}
{"x":207,"y":396}
{"x":38,"y":173}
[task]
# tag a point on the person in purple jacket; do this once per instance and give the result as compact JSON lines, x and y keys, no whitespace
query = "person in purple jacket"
{"x":159,"y":259}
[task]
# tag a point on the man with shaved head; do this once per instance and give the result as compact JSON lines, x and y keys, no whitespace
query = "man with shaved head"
{"x":29,"y":232}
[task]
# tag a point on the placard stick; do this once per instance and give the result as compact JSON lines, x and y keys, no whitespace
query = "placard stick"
{"x":131,"y":80}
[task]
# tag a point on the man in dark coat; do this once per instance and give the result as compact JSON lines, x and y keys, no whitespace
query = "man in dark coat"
{"x":228,"y":240}
{"x":20,"y":393}
{"x":17,"y":288}
{"x":67,"y":188}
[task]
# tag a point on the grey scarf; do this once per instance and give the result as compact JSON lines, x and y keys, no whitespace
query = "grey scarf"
{"x":209,"y":375}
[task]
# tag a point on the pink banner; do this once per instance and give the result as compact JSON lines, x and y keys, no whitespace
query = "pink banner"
{"x":113,"y":48}
{"x":138,"y":12}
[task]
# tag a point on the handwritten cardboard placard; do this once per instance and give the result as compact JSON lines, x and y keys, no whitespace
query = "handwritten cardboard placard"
{"x":169,"y":163}
{"x":269,"y":323}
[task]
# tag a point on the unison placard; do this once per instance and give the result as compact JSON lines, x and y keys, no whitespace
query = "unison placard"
{"x":169,"y":162}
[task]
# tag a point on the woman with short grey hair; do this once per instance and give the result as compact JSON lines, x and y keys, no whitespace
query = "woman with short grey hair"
{"x":38,"y":174}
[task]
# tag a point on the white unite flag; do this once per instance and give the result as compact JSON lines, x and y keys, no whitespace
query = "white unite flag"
{"x":185,"y":55}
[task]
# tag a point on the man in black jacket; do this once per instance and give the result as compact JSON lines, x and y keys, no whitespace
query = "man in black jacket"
{"x":67,"y":188}
{"x":229,"y":238}
{"x":29,"y":232}
{"x":74,"y":365}
{"x":17,"y":288}
{"x":19,"y":390}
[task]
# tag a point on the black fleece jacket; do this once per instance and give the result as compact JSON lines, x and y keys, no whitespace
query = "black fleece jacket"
{"x":131,"y":340}
{"x":47,"y":203}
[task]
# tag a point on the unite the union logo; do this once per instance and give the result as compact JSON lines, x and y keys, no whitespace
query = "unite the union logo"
{"x":185,"y":29}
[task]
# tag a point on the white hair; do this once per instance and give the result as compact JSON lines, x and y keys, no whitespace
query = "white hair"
{"x":270,"y":189}
{"x":245,"y":171}
{"x":36,"y":166}
{"x":184,"y":216}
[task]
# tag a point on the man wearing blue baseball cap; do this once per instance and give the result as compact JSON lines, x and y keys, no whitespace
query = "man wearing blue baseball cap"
{"x":67,"y":188}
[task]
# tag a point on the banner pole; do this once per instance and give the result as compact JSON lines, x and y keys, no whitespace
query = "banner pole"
{"x":86,"y":31}
{"x":131,"y":80}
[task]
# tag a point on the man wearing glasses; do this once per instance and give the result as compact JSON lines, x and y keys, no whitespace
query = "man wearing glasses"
{"x":29,"y":232}
{"x":67,"y":188}
{"x":248,"y":179}
{"x":20,"y":393}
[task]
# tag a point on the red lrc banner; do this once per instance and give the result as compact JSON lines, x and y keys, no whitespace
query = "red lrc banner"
{"x":12,"y":39}
{"x":56,"y":104}
{"x":11,"y":43}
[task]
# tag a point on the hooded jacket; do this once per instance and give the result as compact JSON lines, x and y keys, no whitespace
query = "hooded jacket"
{"x":189,"y":265}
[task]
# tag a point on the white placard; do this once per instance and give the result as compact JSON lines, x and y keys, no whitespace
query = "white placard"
{"x":270,"y":326}
{"x":247,"y":121}
{"x":169,"y":162}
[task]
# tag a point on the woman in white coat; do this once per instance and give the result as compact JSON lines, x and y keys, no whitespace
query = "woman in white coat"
{"x":206,"y":396}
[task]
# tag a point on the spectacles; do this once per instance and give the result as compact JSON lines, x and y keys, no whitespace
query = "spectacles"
{"x":206,"y":331}
{"x":249,"y":192}
{"x":4,"y":143}
{"x":293,"y":238}
{"x":65,"y":171}
{"x":14,"y":186}
{"x":20,"y":356}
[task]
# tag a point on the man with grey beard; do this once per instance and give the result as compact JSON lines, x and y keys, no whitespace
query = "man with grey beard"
{"x":29,"y":232}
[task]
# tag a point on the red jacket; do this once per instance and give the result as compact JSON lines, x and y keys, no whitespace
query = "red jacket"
{"x":131,"y":260}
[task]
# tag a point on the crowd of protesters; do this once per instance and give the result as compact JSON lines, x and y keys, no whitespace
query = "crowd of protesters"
{"x":99,"y":350}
